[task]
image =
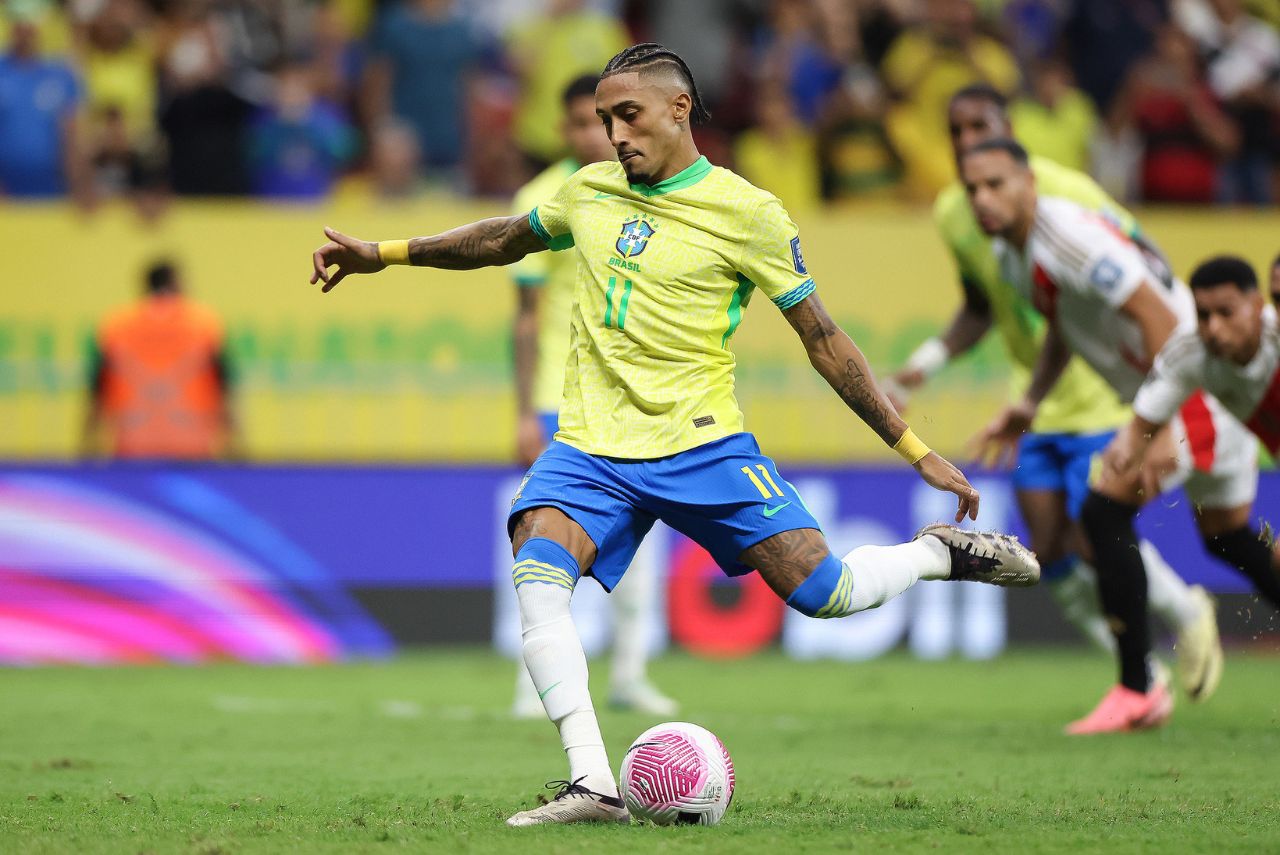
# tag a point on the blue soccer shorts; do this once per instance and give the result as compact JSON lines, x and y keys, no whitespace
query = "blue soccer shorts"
{"x":725,"y":496}
{"x":1059,"y":461}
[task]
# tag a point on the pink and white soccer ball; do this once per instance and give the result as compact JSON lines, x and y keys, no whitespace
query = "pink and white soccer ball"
{"x":677,"y":773}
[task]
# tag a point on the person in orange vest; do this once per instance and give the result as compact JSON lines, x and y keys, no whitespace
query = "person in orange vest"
{"x":159,"y":378}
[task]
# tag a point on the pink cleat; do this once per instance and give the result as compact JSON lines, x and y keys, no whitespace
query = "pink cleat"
{"x":1122,"y":710}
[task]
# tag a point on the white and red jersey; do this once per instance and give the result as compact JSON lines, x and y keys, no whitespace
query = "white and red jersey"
{"x":1250,"y":392}
{"x":1078,"y":269}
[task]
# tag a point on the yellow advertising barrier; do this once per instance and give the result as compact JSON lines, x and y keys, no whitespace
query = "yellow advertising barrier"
{"x":415,"y":364}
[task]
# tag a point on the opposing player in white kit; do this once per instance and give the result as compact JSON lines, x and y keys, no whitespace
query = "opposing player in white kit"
{"x":1115,"y":304}
{"x":1234,"y":355}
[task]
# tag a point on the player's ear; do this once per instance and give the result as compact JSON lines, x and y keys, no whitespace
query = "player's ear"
{"x":681,"y":105}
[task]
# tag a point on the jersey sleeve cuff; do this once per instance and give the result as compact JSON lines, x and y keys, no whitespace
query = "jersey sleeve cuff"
{"x":554,"y":242}
{"x":795,"y":295}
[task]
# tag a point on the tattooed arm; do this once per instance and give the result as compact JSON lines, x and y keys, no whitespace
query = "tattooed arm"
{"x":834,"y":355}
{"x":493,"y":242}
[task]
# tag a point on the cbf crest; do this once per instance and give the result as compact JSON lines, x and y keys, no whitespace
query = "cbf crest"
{"x":634,"y":238}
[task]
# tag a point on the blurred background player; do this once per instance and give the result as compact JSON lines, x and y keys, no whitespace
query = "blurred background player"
{"x":1234,"y":355}
{"x":1080,"y":414}
{"x":544,"y":286}
{"x":1114,"y":303}
{"x":160,"y":381}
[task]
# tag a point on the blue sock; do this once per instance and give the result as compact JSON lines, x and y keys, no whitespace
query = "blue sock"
{"x":543,"y":560}
{"x":827,"y":593}
{"x":1060,"y":569}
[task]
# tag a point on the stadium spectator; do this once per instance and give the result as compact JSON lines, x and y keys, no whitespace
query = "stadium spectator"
{"x":780,"y":154}
{"x":119,"y":67}
{"x":124,"y":168}
{"x":394,"y":159}
{"x":40,"y":97}
{"x":548,"y":53}
{"x":922,"y":70}
{"x":1104,"y":39}
{"x":1184,"y":132}
{"x":1241,"y":55}
{"x":421,"y":55}
{"x":298,"y":142}
{"x":1054,"y":119}
{"x":202,"y":116}
{"x":159,"y":379}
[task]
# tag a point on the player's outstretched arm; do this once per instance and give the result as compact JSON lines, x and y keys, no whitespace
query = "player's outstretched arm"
{"x":972,"y":321}
{"x":486,"y":243}
{"x":997,"y":443}
{"x":834,"y":355}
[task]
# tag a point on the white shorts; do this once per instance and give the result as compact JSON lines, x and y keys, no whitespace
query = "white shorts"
{"x":1217,"y":456}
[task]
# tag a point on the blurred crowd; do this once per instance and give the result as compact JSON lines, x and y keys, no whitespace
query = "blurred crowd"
{"x":816,"y":100}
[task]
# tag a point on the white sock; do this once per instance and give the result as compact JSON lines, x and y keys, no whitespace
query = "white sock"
{"x":1077,"y":596}
{"x":881,"y":573}
{"x":558,"y":666}
{"x":1167,"y":595}
{"x":632,"y":602}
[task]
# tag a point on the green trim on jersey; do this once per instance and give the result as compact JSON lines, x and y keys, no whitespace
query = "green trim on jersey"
{"x":739,"y":299}
{"x":687,"y":177}
{"x":555,"y":244}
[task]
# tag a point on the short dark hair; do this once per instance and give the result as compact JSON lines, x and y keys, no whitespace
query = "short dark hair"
{"x":581,"y":87}
{"x":1013,"y":148}
{"x":1224,"y":270}
{"x":1275,"y":263}
{"x":162,"y":277}
{"x":980,"y":92}
{"x":652,"y":56}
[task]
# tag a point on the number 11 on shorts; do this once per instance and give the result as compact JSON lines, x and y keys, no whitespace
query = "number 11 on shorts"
{"x":764,"y":491}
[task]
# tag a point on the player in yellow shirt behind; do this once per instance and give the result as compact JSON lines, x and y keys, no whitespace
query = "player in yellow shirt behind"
{"x":1077,"y":419}
{"x":669,"y":251}
{"x":544,"y":285}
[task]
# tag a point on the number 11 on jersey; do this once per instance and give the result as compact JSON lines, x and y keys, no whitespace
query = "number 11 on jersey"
{"x":622,"y":306}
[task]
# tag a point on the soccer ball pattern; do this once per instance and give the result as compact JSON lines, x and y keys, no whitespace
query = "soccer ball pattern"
{"x":677,"y":773}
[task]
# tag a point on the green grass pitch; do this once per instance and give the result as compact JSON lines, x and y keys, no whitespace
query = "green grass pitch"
{"x":416,"y":754}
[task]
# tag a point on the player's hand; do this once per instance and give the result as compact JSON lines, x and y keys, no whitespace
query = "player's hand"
{"x":899,"y":385}
{"x":997,"y":444}
{"x":530,"y":441}
{"x":351,"y":256}
{"x":938,"y":473}
{"x":1121,"y":454}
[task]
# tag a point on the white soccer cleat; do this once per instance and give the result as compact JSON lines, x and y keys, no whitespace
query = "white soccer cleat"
{"x":573,"y":803}
{"x":643,"y":697}
{"x":1199,"y":650}
{"x":985,"y":556}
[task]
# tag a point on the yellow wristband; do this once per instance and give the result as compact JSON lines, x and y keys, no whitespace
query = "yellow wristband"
{"x":910,"y":447}
{"x":393,"y":251}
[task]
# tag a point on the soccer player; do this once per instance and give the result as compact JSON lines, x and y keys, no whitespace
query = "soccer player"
{"x":1113,"y":302}
{"x":1275,"y":282}
{"x":544,"y":287}
{"x":1234,"y":355}
{"x":1077,"y":418}
{"x":669,"y":251}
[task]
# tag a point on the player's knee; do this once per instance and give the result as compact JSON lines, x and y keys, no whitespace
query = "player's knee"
{"x":827,"y":592}
{"x":1243,"y":549}
{"x":1105,"y":518}
{"x":542,"y":560}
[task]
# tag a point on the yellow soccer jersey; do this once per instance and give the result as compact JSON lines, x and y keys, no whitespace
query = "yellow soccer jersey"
{"x":553,"y":274}
{"x":1081,"y":402}
{"x":664,"y":273}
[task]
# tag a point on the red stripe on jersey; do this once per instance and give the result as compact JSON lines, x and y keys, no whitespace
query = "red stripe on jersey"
{"x":1202,"y":436}
{"x":1265,"y":421}
{"x":1045,"y":298}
